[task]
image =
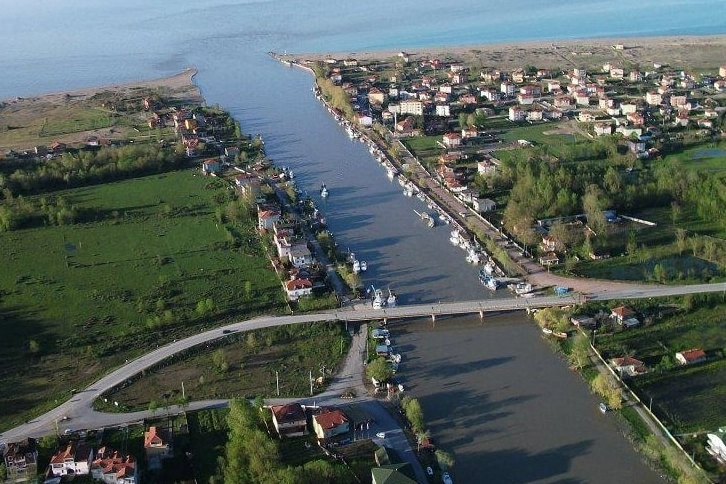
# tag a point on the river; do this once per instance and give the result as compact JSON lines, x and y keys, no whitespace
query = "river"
{"x":505,"y":393}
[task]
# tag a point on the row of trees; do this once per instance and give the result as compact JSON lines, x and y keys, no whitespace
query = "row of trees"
{"x":86,"y":167}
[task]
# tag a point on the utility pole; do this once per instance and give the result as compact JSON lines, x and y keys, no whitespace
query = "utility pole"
{"x":184,"y":395}
{"x":277,"y":380}
{"x":311,"y":383}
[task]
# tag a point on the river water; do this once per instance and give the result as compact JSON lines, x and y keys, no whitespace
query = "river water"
{"x":56,"y":45}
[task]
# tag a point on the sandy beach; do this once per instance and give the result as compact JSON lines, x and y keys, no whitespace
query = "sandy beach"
{"x":692,"y":52}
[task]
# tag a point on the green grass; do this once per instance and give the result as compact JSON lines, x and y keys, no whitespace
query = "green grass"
{"x":691,"y":398}
{"x":709,"y":156}
{"x":536,"y":134}
{"x":251,"y":359}
{"x":702,"y":328}
{"x":92,"y":295}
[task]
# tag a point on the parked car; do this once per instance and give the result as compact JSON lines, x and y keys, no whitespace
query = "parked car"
{"x":429,"y":471}
{"x":603,"y":407}
{"x":446,"y":478}
{"x":381,"y":435}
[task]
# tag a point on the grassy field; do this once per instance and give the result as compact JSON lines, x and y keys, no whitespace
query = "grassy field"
{"x":691,"y":398}
{"x":241,"y":365}
{"x":77,"y":300}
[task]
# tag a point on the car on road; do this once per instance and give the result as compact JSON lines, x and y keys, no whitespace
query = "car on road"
{"x":446,"y":478}
{"x":65,"y":417}
{"x":429,"y":471}
{"x":226,"y":331}
{"x":381,"y":435}
{"x":603,"y":407}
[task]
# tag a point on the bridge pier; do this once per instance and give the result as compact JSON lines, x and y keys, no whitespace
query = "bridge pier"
{"x":481,"y":314}
{"x":433,"y":317}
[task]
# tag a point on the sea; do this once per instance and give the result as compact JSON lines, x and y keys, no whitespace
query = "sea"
{"x":61,"y":45}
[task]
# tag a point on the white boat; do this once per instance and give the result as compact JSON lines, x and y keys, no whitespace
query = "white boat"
{"x":363,"y":266}
{"x":489,"y":268}
{"x":522,"y":288}
{"x":378,"y":300}
{"x":473,"y":257}
{"x":391,"y":300}
{"x":426,"y":218}
{"x":356,"y":267}
{"x":324,"y":191}
{"x":391,"y":173}
{"x":454,"y":238}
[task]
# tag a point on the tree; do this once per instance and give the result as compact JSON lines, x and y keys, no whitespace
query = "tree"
{"x":580,"y":352}
{"x":593,"y":203}
{"x":444,"y":459}
{"x":606,"y":388}
{"x":552,"y":318}
{"x":219,"y":358}
{"x":681,"y":240}
{"x":422,"y":437}
{"x":379,"y":369}
{"x":414,"y":413}
{"x":153,"y":406}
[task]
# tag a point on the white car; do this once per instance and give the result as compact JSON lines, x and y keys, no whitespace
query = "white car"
{"x":429,"y":471}
{"x":446,"y":478}
{"x":381,"y":435}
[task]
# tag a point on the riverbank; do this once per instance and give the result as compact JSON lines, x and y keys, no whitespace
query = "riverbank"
{"x":696,"y":52}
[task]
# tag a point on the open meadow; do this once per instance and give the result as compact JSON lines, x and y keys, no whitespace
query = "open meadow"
{"x":150,"y":261}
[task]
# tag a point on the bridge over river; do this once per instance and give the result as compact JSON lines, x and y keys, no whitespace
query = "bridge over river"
{"x":362,"y":312}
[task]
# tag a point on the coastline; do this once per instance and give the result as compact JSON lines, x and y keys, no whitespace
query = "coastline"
{"x":178,"y":83}
{"x":692,"y":51}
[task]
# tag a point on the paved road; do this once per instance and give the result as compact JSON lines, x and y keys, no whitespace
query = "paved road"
{"x":78,"y":408}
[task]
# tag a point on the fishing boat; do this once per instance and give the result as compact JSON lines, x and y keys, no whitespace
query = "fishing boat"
{"x":356,"y":266}
{"x":391,"y":299}
{"x":488,"y":281}
{"x":522,"y":288}
{"x":323,"y":191}
{"x":378,"y":300}
{"x":489,"y":268}
{"x":426,"y":218}
{"x":363,"y":266}
{"x":454,"y":237}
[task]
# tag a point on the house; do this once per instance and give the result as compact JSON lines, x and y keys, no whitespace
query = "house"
{"x":267,"y":217}
{"x":635,"y":119}
{"x":653,"y":98}
{"x":689,"y":357}
{"x":564,"y":102}
{"x":486,"y":167}
{"x":517,"y":114}
{"x":391,"y":474}
{"x":549,"y":243}
{"x":112,"y":467}
{"x":330,"y":422}
{"x":290,"y":420}
{"x":73,"y":459}
{"x":211,"y":166}
{"x":231,"y":152}
{"x":452,"y":140}
{"x":715,"y":444}
{"x":157,"y":446}
{"x":626,"y":108}
{"x":483,"y":205}
{"x":411,"y":106}
{"x":622,"y":313}
{"x":628,"y":366}
{"x":508,"y":88}
{"x":298,"y":287}
{"x":525,"y":99}
{"x":21,"y":460}
{"x":603,"y":129}
{"x":534,"y":114}
{"x":300,"y":255}
{"x":549,"y":259}
{"x":624,"y":316}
